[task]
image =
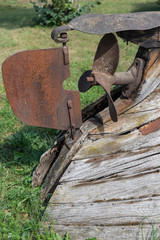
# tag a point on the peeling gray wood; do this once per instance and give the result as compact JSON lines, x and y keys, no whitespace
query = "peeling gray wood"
{"x":43,"y":167}
{"x":120,"y":165}
{"x":63,"y":160}
{"x":122,"y":189}
{"x":130,"y":142}
{"x":108,"y":233}
{"x":127,"y":212}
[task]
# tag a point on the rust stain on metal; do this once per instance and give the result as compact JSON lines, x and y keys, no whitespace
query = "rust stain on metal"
{"x":34,"y":85}
{"x":150,"y":127}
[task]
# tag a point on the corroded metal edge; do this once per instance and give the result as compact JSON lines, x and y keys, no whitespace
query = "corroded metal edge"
{"x":108,"y":23}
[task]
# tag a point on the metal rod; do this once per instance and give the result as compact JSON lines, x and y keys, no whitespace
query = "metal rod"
{"x":70,"y":112}
{"x":123,"y":78}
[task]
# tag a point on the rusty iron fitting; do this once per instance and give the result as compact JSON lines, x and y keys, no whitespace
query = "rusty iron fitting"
{"x":123,"y":78}
{"x":69,"y":104}
{"x":65,"y":48}
{"x":65,"y":54}
{"x":70,"y":109}
{"x":58,"y":34}
{"x":119,"y":78}
{"x":92,"y":81}
{"x":71,"y":117}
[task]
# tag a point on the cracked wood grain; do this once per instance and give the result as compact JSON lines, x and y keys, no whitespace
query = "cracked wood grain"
{"x":109,"y":232}
{"x":115,"y":213}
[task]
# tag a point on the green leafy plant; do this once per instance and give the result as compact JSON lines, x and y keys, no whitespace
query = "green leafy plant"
{"x":91,"y":239}
{"x":59,"y":12}
{"x":153,"y":234}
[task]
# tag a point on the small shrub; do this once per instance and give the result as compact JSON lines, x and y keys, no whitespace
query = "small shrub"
{"x":59,"y":12}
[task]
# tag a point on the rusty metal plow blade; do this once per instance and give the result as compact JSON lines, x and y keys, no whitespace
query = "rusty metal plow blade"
{"x":34,"y":85}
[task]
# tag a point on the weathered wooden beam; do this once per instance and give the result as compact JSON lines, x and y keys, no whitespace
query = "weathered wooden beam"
{"x":139,"y":232}
{"x":113,"y":213}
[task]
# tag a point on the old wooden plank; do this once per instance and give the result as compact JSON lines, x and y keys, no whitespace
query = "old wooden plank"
{"x":131,"y":142}
{"x":46,"y":160}
{"x":107,"y":233}
{"x":55,"y":172}
{"x":108,"y":189}
{"x":124,"y":164}
{"x":63,"y":160}
{"x":126,"y":212}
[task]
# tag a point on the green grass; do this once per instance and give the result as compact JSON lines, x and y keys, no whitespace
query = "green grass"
{"x":21,"y":146}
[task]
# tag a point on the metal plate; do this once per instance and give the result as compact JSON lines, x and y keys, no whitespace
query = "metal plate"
{"x":102,"y":23}
{"x":34,"y":85}
{"x":109,"y":23}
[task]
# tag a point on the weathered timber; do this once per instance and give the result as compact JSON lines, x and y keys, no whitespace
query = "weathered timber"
{"x":109,"y":232}
{"x":117,"y":187}
{"x":110,"y":188}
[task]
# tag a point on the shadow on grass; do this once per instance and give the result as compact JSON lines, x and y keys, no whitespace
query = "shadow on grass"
{"x":15,"y":16}
{"x":26,"y":146}
{"x":146,"y":7}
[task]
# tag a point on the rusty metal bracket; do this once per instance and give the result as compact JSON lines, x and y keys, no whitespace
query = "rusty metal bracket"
{"x":65,"y":39}
{"x":71,"y":117}
{"x":136,"y":72}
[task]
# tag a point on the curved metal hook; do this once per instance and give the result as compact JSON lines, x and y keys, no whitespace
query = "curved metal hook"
{"x":57,"y":31}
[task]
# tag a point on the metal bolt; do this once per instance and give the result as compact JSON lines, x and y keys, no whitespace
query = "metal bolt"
{"x":90,"y":79}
